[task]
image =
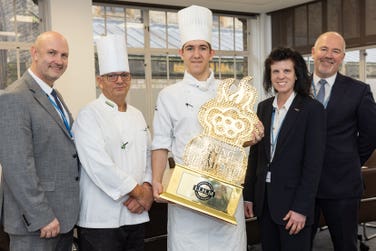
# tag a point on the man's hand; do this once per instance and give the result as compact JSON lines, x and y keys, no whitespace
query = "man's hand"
{"x":143,"y":194}
{"x":157,"y":190}
{"x":257,"y":135}
{"x":133,"y":206}
{"x":148,"y":196}
{"x":51,"y":230}
{"x":296,"y":222}
{"x":248,"y":209}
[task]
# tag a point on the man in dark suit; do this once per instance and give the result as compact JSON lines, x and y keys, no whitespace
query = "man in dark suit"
{"x":37,"y":153}
{"x":284,"y":167}
{"x":351,"y":138}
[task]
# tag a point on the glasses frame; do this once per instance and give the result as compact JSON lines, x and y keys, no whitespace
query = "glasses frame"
{"x":113,"y":77}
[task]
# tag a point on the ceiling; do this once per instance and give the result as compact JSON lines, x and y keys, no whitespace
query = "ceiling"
{"x":247,"y":6}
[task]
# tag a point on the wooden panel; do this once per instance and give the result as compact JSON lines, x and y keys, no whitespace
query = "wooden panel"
{"x":334,"y":10}
{"x":282,"y":28}
{"x":315,"y":22}
{"x":300,"y":25}
{"x":351,"y":24}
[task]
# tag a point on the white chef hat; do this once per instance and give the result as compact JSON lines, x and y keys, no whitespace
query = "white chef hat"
{"x":112,"y":54}
{"x":195,"y":23}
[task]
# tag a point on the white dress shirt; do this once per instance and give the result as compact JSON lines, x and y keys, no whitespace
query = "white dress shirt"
{"x":328,"y":87}
{"x":277,"y":120}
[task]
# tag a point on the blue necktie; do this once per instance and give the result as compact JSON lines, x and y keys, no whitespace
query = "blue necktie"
{"x":61,"y":111}
{"x":321,"y":94}
{"x":57,"y":101}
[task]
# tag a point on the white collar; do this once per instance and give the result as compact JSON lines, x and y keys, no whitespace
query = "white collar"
{"x":288,"y":102}
{"x":329,"y":80}
{"x":109,"y":104}
{"x":202,"y":85}
{"x":45,"y":87}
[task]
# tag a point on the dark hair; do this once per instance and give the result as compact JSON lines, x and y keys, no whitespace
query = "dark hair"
{"x":303,"y":78}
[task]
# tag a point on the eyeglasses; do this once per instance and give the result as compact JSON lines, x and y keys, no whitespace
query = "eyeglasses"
{"x":112,"y":77}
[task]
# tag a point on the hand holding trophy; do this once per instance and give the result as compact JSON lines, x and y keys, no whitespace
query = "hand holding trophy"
{"x":215,"y":161}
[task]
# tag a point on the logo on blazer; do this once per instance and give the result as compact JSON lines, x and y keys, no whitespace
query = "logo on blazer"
{"x":204,"y":190}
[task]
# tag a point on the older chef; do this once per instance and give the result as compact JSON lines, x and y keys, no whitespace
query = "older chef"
{"x":113,"y":141}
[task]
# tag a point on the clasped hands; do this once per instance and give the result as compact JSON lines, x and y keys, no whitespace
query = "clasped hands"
{"x":140,"y":199}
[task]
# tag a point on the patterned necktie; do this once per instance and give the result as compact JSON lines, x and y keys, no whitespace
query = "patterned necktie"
{"x":54,"y":94}
{"x":61,"y":111}
{"x":321,"y":94}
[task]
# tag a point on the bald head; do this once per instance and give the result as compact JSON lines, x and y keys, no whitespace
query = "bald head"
{"x":49,"y":56}
{"x":328,"y":54}
{"x":49,"y":36}
{"x":329,"y":35}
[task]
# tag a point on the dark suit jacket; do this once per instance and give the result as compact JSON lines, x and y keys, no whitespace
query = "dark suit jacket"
{"x":351,"y":138}
{"x":39,"y":160}
{"x":297,"y":162}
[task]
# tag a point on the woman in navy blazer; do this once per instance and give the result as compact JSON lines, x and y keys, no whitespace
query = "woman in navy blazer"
{"x":284,"y":167}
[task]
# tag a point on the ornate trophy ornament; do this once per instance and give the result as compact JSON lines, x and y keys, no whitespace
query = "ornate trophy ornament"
{"x":215,"y":162}
{"x":228,"y":121}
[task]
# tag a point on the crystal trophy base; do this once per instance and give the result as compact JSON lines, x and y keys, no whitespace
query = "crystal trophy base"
{"x":203,"y":193}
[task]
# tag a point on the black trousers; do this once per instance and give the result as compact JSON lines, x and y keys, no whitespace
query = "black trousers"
{"x":275,"y":237}
{"x":125,"y":238}
{"x":341,"y":217}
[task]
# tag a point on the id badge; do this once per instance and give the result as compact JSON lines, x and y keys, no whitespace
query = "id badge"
{"x":268,"y":177}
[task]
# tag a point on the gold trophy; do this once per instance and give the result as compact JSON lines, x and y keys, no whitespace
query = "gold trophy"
{"x":215,"y":162}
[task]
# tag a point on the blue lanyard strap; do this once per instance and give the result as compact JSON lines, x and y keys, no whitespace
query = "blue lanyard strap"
{"x":273,"y":137}
{"x":62,"y":115}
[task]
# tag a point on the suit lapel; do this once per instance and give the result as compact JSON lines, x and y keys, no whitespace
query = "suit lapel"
{"x":288,"y":124}
{"x":266,"y":116}
{"x":43,"y":100}
{"x":337,"y":93}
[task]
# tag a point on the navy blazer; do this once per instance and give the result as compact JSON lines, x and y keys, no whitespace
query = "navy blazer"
{"x":351,"y":138}
{"x":297,"y":162}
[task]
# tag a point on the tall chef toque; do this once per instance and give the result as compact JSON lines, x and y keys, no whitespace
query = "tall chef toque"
{"x":195,"y":23}
{"x":112,"y":54}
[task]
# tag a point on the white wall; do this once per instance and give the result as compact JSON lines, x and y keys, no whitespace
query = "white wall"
{"x":73,"y":19}
{"x":260,"y":47}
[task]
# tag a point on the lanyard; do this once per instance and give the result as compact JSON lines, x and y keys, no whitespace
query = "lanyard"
{"x":62,"y":115}
{"x":315,"y":94}
{"x":274,"y":138}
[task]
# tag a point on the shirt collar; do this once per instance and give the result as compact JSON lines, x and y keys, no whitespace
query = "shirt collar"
{"x":108,"y":103}
{"x":202,"y":85}
{"x":45,"y":87}
{"x":329,"y":80}
{"x":287,"y":104}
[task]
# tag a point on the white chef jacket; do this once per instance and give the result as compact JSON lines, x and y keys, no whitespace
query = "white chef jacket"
{"x":175,"y":124}
{"x":114,"y":149}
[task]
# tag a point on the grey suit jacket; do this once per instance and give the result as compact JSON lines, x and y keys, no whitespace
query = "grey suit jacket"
{"x":1,"y":182}
{"x":39,"y":160}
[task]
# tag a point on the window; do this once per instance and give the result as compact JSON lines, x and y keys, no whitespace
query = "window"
{"x":350,"y":65}
{"x":153,"y":41}
{"x":371,"y":69}
{"x":359,"y":64}
{"x":19,"y":26}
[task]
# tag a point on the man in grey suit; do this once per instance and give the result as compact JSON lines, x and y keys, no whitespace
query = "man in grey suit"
{"x":37,"y":153}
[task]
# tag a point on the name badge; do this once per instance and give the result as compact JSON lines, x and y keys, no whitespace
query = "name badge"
{"x":268,"y":177}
